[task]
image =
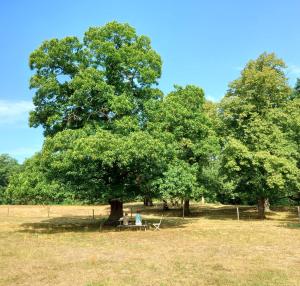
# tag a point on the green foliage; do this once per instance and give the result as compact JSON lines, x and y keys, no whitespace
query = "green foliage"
{"x":90,"y":98}
{"x":107,"y":164}
{"x":31,"y":186}
{"x":106,"y":77}
{"x":258,"y":156}
{"x":110,"y":134}
{"x":182,"y":123}
{"x":179,"y":181}
{"x":8,"y":167}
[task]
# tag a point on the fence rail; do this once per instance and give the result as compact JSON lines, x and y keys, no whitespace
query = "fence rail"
{"x":52,"y":211}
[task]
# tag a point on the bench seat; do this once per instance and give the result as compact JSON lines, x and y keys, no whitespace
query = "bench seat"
{"x":133,"y":226}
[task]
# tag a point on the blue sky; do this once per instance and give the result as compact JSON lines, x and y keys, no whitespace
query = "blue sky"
{"x":205,"y":43}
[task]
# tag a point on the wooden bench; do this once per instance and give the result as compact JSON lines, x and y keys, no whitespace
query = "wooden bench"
{"x":133,"y":226}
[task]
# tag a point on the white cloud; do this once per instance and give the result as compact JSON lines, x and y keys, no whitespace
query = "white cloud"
{"x":21,"y":153}
{"x":294,"y":70}
{"x":211,"y":98}
{"x":14,"y":111}
{"x":24,"y":151}
{"x":238,"y":68}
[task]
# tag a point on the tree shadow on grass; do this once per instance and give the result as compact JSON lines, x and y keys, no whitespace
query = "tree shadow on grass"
{"x":248,"y":213}
{"x":221,"y":212}
{"x":226,"y":213}
{"x":63,"y":224}
{"x":80,"y":224}
{"x":171,"y":218}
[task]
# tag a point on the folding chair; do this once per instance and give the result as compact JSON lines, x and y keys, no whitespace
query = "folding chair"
{"x":157,"y":225}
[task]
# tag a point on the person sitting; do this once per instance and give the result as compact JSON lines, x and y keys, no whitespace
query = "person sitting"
{"x":138,"y":218}
{"x":125,"y":219}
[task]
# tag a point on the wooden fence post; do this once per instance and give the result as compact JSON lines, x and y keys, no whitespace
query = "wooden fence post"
{"x":93,"y":214}
{"x":238,"y":213}
{"x":298,"y":212}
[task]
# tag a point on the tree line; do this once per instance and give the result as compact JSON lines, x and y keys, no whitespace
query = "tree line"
{"x":111,"y":135}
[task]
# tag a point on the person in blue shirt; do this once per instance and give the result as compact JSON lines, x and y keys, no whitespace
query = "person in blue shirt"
{"x":138,"y":218}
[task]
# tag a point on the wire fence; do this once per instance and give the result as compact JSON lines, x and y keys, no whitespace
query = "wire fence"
{"x":48,"y":211}
{"x":51,"y":211}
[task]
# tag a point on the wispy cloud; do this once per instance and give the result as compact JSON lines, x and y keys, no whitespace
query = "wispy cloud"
{"x":14,"y":111}
{"x":294,"y":70}
{"x":24,"y":151}
{"x":238,"y":68}
{"x":210,"y":98}
{"x":21,"y":153}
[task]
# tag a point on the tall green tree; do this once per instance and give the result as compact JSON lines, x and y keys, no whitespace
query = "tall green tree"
{"x":83,"y":88}
{"x":258,"y":156}
{"x":289,"y":120}
{"x":182,"y":123}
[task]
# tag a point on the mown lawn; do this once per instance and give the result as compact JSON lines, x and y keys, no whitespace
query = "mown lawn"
{"x":209,"y":248}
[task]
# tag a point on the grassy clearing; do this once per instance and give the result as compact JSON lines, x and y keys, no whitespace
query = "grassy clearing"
{"x":209,"y":248}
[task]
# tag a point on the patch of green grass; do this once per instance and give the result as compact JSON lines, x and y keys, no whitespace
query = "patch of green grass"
{"x":293,"y":225}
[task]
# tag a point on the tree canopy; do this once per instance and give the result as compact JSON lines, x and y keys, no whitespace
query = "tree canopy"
{"x":103,"y":79}
{"x":112,"y":136}
{"x":258,"y":154}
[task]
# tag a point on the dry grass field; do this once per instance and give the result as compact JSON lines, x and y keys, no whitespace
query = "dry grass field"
{"x":209,"y":248}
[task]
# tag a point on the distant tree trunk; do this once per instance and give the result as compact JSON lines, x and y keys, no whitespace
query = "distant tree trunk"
{"x":116,"y":210}
{"x":148,"y":202}
{"x":202,"y":200}
{"x":261,"y":208}
{"x":174,"y":203}
{"x":165,"y":205}
{"x":267,"y":205}
{"x":187,"y":207}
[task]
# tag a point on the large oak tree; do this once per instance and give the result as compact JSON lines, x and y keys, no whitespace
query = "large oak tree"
{"x":101,"y":82}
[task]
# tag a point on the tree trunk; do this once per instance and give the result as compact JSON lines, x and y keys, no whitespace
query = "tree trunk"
{"x":202,"y":200}
{"x":267,"y":205}
{"x":174,"y":203}
{"x":148,"y":202}
{"x":261,"y":208}
{"x":165,"y":205}
{"x":116,"y":210}
{"x":187,"y":207}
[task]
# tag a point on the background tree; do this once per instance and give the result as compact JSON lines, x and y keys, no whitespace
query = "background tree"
{"x":30,"y":185}
{"x":181,"y":122}
{"x":180,"y":182}
{"x":288,"y":118}
{"x":8,"y":167}
{"x":258,"y":156}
